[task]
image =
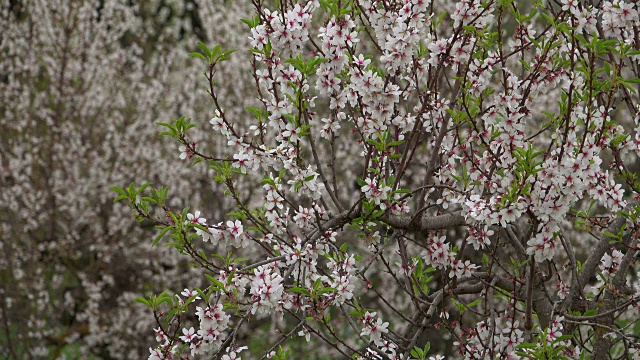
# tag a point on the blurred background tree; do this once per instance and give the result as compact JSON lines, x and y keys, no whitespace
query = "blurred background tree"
{"x":82,"y":84}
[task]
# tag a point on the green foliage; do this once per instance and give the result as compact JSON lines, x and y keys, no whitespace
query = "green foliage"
{"x":178,"y":129}
{"x":340,"y":8}
{"x":212,"y":56}
{"x":541,"y":348}
{"x":282,"y":354}
{"x":253,"y":22}
{"x":315,"y":293}
{"x":422,"y":276}
{"x":421,"y":354}
{"x":307,"y":68}
{"x":155,"y":301}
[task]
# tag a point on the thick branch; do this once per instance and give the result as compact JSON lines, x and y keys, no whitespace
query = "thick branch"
{"x":606,"y":312}
{"x":598,"y":251}
{"x":439,"y":222}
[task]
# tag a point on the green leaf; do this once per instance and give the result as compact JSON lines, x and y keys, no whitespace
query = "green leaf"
{"x":548,"y":18}
{"x":215,"y":282}
{"x":204,"y":48}
{"x":326,"y":290}
{"x":143,"y":300}
{"x":474,"y":303}
{"x":144,"y":186}
{"x":396,"y":143}
{"x":417,"y":353}
{"x":161,"y":235}
{"x":164,"y":298}
{"x":299,"y":290}
{"x":198,"y":55}
{"x":148,"y":199}
{"x":118,"y":190}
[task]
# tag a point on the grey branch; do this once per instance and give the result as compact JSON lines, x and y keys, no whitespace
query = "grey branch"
{"x":439,"y":222}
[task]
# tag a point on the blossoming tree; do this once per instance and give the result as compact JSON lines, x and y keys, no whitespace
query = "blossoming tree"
{"x":82,"y":84}
{"x":418,"y":178}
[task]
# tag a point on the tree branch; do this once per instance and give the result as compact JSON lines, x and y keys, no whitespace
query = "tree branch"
{"x":439,"y":222}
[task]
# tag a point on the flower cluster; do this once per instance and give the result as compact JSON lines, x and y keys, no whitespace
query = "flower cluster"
{"x":266,"y":290}
{"x":373,"y":191}
{"x":609,"y":265}
{"x":374,"y":328}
